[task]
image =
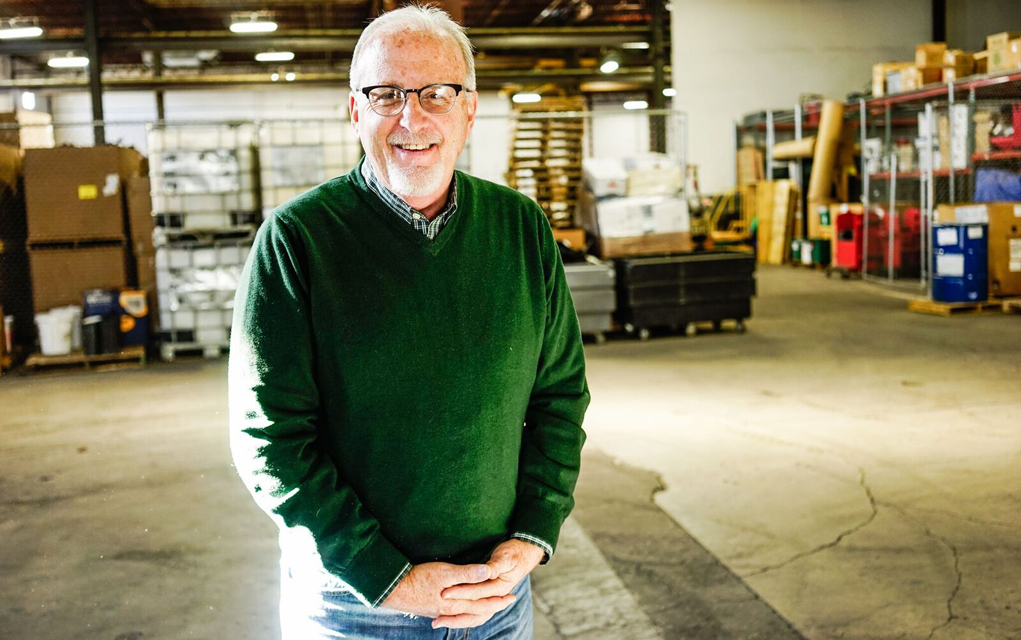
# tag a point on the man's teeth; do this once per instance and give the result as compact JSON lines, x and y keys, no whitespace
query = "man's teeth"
{"x":414,"y":147}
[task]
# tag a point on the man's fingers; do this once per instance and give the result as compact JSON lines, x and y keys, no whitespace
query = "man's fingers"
{"x":461,"y":614}
{"x":470,"y":574}
{"x":500,"y":586}
{"x":502,"y":564}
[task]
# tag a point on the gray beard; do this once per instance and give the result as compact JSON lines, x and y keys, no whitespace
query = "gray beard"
{"x":420,"y":181}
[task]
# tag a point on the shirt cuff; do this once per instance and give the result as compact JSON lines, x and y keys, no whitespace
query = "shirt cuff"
{"x":537,"y":542}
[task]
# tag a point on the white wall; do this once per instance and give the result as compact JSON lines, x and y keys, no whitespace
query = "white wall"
{"x":731,"y":57}
{"x":970,"y":21}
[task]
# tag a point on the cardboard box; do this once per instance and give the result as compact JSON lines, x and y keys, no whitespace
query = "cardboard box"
{"x":61,"y":275}
{"x":930,"y":54}
{"x":605,"y":177}
{"x":880,"y":72}
{"x":573,"y":238}
{"x":982,"y":62}
{"x":75,"y":193}
{"x":630,"y":217}
{"x":35,"y":129}
{"x":648,"y":245}
{"x":139,"y":203}
{"x":667,"y":181}
{"x":913,"y":78}
{"x":1000,"y":40}
{"x":1005,"y":58}
{"x":1004,"y":220}
{"x":983,"y":129}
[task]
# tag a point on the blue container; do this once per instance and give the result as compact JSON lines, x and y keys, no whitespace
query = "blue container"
{"x":960,"y":258}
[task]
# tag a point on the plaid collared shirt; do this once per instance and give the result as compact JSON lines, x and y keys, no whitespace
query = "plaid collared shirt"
{"x":431,"y":228}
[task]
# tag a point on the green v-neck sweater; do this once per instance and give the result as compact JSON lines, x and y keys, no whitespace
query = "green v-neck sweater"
{"x":400,"y":400}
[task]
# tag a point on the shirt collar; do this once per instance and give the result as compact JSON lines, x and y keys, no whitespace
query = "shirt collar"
{"x":396,"y":204}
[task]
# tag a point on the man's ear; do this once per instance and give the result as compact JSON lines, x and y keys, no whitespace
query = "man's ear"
{"x":352,"y":107}
{"x":472,"y":104}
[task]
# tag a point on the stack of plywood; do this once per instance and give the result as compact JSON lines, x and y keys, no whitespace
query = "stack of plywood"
{"x":775,"y":205}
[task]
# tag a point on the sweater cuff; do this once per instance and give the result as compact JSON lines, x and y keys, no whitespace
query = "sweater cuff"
{"x":376,"y":571}
{"x":539,"y":521}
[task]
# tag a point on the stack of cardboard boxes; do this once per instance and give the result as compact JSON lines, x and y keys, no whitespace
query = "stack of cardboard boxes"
{"x":1004,"y":240}
{"x":79,"y":225}
{"x":1003,"y":51}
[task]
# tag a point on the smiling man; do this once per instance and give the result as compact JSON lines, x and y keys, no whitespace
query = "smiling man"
{"x":407,"y":381}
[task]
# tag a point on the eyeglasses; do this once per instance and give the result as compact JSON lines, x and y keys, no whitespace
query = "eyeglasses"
{"x":437,"y":99}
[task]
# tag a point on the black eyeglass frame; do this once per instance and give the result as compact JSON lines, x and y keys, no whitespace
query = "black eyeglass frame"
{"x":458,"y":88}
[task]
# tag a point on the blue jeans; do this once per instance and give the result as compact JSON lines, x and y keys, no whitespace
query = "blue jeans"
{"x":317,"y":614}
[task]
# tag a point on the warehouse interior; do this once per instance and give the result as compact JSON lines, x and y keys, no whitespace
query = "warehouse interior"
{"x":791,"y":233}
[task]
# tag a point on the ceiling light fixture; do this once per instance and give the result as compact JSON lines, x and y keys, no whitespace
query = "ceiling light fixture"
{"x":633,"y":105}
{"x":610,"y":62}
{"x":252,"y":23}
{"x":275,"y":56}
{"x":20,"y":28}
{"x":290,"y":76}
{"x":635,"y":45}
{"x":670,"y":92}
{"x":28,"y":100}
{"x":525,"y":98}
{"x":275,"y":76}
{"x":68,"y":62}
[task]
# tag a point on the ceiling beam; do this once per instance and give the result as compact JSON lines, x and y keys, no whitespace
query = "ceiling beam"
{"x":329,"y":40}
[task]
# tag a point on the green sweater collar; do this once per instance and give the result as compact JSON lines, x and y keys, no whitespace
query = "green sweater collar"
{"x":406,"y":231}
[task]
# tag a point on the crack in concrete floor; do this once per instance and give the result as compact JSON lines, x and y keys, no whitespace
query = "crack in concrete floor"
{"x":829,"y":545}
{"x":957,"y":565}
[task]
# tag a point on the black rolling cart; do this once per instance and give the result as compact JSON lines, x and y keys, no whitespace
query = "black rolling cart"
{"x":677,"y":291}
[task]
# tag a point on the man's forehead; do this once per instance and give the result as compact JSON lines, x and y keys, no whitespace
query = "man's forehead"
{"x":403,"y":57}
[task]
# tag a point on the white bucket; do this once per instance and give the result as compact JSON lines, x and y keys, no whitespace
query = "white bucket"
{"x":74,"y":316}
{"x":54,"y":333}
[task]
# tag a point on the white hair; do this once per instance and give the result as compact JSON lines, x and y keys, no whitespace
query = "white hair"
{"x":423,"y":20}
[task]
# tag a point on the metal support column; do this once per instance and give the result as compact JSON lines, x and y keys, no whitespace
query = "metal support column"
{"x":658,"y":101}
{"x":157,"y":71}
{"x":891,"y":218}
{"x":95,"y":69}
{"x":930,"y":192}
{"x":770,"y":141}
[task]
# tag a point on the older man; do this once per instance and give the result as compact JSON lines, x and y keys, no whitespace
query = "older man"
{"x":407,"y":380}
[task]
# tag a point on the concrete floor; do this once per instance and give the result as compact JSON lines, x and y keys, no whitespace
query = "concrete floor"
{"x":844,"y":470}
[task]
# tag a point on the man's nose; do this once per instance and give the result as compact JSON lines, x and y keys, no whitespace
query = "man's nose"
{"x":413,"y":116}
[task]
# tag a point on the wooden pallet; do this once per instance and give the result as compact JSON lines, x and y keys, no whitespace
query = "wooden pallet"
{"x":129,"y":357}
{"x":1012,"y":305}
{"x":170,"y":351}
{"x":947,"y":309}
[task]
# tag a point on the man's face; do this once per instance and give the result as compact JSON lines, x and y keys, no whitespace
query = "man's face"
{"x":411,"y":61}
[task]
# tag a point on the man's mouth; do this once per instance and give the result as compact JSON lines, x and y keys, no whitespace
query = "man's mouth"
{"x":415,"y":147}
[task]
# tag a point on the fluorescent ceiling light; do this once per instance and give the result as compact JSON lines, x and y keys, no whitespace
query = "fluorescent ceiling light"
{"x":28,"y":100}
{"x":69,"y":62}
{"x":670,"y":92}
{"x":522,"y":98}
{"x":609,"y":66}
{"x":635,"y":45}
{"x":253,"y":26}
{"x":275,"y":77}
{"x":20,"y":32}
{"x":632,"y":105}
{"x":275,"y":56}
{"x":290,"y":76}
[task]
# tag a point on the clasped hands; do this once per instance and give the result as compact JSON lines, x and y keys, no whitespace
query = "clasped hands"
{"x":462,"y":596}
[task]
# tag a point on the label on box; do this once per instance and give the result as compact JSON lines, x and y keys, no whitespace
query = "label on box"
{"x":946,"y":236}
{"x":112,"y":182}
{"x":950,"y":265}
{"x":1017,"y":211}
{"x":973,"y":214}
{"x":1015,"y":266}
{"x":1015,"y":248}
{"x":974,"y":233}
{"x":87,"y":192}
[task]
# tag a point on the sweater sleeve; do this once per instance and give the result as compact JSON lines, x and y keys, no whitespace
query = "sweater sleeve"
{"x":553,"y":436}
{"x":274,"y":420}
